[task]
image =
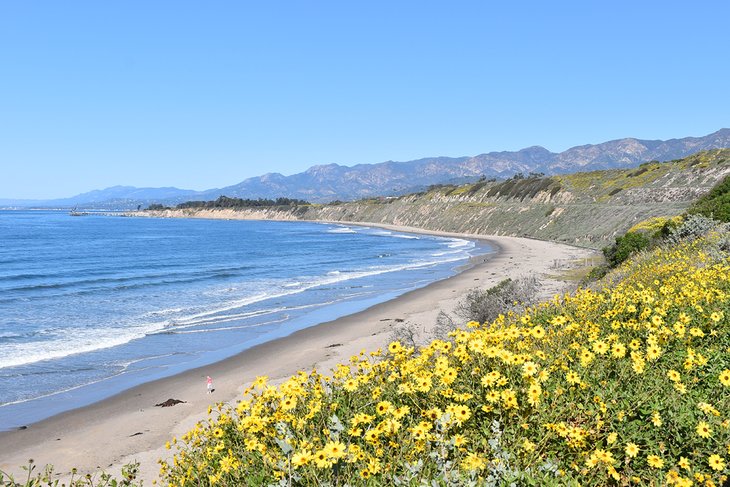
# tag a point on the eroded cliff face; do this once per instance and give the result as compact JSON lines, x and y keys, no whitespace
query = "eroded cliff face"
{"x":585,"y":209}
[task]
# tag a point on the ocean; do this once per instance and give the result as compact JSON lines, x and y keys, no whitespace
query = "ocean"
{"x":93,"y":305}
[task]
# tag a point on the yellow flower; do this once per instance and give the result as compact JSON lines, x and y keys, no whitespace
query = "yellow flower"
{"x":703,"y":429}
{"x":725,"y":378}
{"x":350,"y":385}
{"x":433,"y":414}
{"x":459,"y":441}
{"x":673,"y":375}
{"x":371,"y":435}
{"x":394,"y":347}
{"x":631,"y":450}
{"x":716,"y":462}
{"x":618,"y":350}
{"x":449,"y":376}
{"x":289,"y":403}
{"x":696,"y":332}
{"x":600,"y":347}
{"x":492,"y":396}
{"x":321,"y":460}
{"x":420,"y":431}
{"x":374,"y":465}
{"x":472,"y":462}
{"x":459,"y":412}
{"x":528,"y":446}
{"x":301,"y":458}
{"x":683,"y":463}
{"x":655,"y":461}
{"x":509,"y":399}
{"x":538,"y":332}
{"x":335,"y":449}
{"x":572,"y":377}
{"x":586,"y":357}
{"x":529,"y":369}
{"x":653,"y":352}
{"x":383,"y":407}
{"x":656,"y":419}
{"x":672,"y":477}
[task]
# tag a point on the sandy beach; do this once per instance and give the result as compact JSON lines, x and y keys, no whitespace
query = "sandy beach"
{"x":128,"y":427}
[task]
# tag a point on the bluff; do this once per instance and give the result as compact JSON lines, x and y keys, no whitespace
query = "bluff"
{"x":587,"y":209}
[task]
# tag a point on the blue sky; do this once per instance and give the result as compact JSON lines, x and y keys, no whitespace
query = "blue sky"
{"x":205,"y":94}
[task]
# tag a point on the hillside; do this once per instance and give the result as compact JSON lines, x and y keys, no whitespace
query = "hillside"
{"x":588,"y":208}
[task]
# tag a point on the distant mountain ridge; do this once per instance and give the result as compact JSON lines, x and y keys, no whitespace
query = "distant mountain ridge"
{"x":330,"y":182}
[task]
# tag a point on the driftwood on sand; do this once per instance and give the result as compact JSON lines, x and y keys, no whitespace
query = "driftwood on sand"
{"x":170,"y":402}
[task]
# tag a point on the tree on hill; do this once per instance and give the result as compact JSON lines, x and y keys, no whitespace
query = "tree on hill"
{"x":227,"y":202}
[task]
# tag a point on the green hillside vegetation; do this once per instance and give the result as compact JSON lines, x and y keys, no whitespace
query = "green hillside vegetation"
{"x":698,"y":219}
{"x":587,"y":209}
{"x":715,"y":204}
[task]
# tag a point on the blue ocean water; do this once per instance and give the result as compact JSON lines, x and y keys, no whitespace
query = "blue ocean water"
{"x":92,"y":305}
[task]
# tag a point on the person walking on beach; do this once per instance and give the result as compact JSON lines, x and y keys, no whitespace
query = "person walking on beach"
{"x":209,"y":384}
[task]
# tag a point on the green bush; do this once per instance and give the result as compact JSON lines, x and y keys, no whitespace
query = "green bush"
{"x":715,"y":204}
{"x":625,"y":246}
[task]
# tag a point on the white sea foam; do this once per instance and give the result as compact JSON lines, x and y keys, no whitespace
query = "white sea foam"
{"x":228,"y":328}
{"x":76,"y":341}
{"x":457,"y":243}
{"x":341,"y":230}
{"x":446,"y":252}
{"x":72,"y":341}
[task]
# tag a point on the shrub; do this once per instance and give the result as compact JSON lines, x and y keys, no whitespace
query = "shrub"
{"x":715,"y":204}
{"x":157,"y":207}
{"x":480,"y":305}
{"x":32,"y":478}
{"x":694,"y":226}
{"x":485,"y":305}
{"x":625,"y":246}
{"x":615,"y":191}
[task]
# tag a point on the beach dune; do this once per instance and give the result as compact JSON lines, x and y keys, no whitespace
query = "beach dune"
{"x":130,"y":428}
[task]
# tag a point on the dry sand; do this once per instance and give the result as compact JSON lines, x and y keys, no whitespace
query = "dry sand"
{"x":128,"y":427}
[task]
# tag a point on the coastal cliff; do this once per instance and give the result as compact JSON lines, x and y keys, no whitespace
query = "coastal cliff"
{"x":587,"y":209}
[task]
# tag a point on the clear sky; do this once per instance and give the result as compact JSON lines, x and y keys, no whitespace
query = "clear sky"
{"x":200,"y":94}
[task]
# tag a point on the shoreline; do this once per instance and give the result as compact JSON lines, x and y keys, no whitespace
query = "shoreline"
{"x":128,"y":427}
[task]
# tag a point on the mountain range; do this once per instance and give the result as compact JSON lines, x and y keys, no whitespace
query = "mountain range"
{"x":330,"y":182}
